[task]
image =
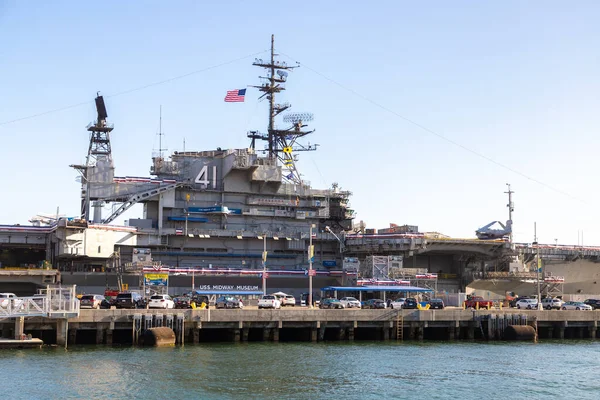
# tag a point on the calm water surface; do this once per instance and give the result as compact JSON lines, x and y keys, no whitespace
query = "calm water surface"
{"x":366,"y":370}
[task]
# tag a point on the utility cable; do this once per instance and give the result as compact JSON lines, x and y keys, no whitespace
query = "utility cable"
{"x":134,"y":89}
{"x":439,"y":135}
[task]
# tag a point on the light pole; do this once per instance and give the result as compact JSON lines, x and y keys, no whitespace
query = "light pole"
{"x":328,"y":229}
{"x":538,"y":266}
{"x":187,"y":202}
{"x":264,"y":264}
{"x":311,"y":255}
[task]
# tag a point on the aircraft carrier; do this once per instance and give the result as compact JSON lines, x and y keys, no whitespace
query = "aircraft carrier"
{"x":235,"y":218}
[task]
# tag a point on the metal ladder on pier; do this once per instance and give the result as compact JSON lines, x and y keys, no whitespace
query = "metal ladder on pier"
{"x":399,"y":326}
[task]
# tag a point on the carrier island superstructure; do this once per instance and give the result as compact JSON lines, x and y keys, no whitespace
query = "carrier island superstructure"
{"x":227,"y":216}
{"x":224,"y":208}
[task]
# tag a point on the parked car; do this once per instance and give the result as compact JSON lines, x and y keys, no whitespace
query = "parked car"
{"x":350,"y":302}
{"x":288,"y":300}
{"x":183,"y":302}
{"x":304,"y":299}
{"x":594,"y":303}
{"x":552,"y":303}
{"x":106,"y":304}
{"x":436,"y":304}
{"x":374,"y":303}
{"x":161,"y":301}
{"x":228,"y":302}
{"x":91,"y":301}
{"x":130,"y":300}
{"x":529,"y":304}
{"x":410,"y":304}
{"x":513,"y":302}
{"x":331,"y":303}
{"x":478,"y":302}
{"x":576,"y":305}
{"x":397,"y":304}
{"x":7,"y":299}
{"x":269,"y":301}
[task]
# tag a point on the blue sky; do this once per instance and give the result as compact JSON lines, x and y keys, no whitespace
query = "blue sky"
{"x":514,"y":81}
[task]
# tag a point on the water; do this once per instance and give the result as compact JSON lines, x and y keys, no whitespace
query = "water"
{"x":362,"y":370}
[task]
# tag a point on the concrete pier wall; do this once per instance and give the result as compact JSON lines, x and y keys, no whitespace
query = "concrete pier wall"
{"x":194,"y":326}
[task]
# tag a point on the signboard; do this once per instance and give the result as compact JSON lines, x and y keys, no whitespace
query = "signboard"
{"x":237,"y":288}
{"x":266,"y":275}
{"x":143,"y":256}
{"x":351,"y":264}
{"x":312,"y":272}
{"x":426,"y":276}
{"x":329,"y":263}
{"x":156,"y":279}
{"x":271,"y":202}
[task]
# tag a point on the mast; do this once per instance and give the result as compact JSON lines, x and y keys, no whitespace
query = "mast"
{"x":511,"y":208}
{"x":282,"y":143}
{"x":271,"y":97}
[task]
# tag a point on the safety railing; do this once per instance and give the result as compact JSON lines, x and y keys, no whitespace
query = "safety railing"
{"x":52,"y":302}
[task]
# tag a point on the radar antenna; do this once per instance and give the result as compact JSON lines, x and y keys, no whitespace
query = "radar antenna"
{"x":281,"y":142}
{"x":99,"y":149}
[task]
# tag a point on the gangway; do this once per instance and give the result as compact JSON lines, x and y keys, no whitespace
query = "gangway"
{"x":51,"y":302}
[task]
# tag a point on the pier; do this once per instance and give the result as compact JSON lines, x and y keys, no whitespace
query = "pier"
{"x":110,"y":327}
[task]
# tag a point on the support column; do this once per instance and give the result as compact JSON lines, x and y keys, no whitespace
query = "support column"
{"x":99,"y":335}
{"x":491,"y":327}
{"x":411,"y":331}
{"x":266,"y":334}
{"x":314,"y":333}
{"x":5,"y":331}
{"x":351,"y":333}
{"x":453,"y":331}
{"x":72,"y":336}
{"x":277,"y":330}
{"x":322,"y":333}
{"x":109,"y":334}
{"x":593,"y":328}
{"x":160,"y":214}
{"x":342,"y":334}
{"x":471,"y":331}
{"x":421,"y":331}
{"x":550,"y":333}
{"x":245,"y":333}
{"x":62,"y":326}
{"x":236,"y":335}
{"x":19,"y":327}
{"x":580,"y":332}
{"x":561,"y":330}
{"x":386,"y":333}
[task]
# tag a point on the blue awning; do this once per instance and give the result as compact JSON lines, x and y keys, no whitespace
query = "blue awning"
{"x":376,"y":289}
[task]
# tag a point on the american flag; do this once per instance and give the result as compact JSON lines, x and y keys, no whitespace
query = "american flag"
{"x":234,"y":96}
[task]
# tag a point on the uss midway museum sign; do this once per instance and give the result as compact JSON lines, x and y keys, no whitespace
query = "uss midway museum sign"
{"x":241,"y":288}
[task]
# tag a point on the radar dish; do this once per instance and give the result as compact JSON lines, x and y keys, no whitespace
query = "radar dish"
{"x":294,"y":118}
{"x":282,"y":74}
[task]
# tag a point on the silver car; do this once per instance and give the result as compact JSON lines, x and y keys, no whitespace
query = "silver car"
{"x":350,"y":302}
{"x":551,"y":304}
{"x":91,"y":301}
{"x":529,"y":304}
{"x":576,"y":305}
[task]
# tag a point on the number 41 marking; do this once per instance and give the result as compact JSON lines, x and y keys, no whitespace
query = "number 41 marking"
{"x":203,"y":179}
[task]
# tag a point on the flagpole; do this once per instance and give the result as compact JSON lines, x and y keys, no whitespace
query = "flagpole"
{"x":264,"y":260}
{"x":310,"y":269}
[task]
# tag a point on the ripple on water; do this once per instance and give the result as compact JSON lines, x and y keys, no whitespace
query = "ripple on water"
{"x":361,"y":370}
